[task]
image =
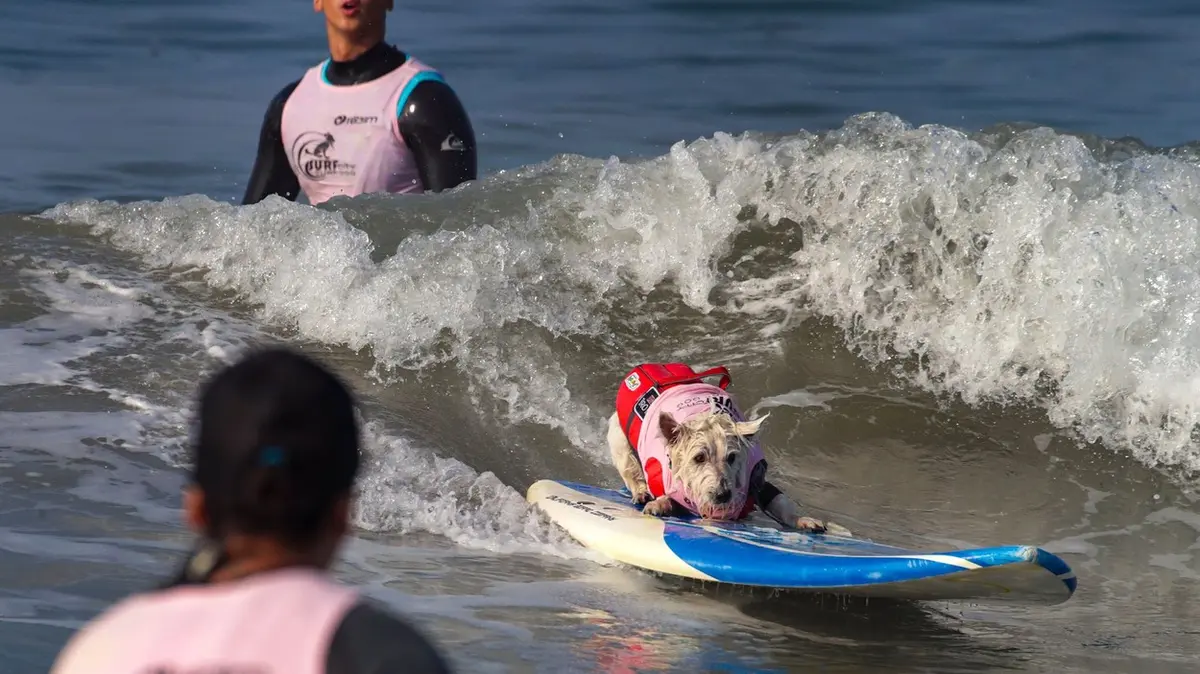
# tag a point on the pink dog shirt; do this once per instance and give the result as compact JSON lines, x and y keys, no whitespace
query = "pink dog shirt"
{"x":684,"y":401}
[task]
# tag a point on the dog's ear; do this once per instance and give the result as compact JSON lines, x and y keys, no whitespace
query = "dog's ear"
{"x":668,"y":427}
{"x":748,"y":429}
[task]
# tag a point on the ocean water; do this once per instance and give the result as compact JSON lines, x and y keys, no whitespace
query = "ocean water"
{"x":953,"y":247}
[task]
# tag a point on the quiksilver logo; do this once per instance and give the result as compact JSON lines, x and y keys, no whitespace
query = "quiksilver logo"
{"x":354,"y":119}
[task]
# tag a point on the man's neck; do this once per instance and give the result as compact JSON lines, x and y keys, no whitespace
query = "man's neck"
{"x":344,"y":47}
{"x":370,"y":65}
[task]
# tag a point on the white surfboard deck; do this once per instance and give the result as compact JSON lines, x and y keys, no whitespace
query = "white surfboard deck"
{"x":767,"y":555}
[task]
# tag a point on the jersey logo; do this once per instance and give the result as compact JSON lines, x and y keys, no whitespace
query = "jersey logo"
{"x":354,"y":119}
{"x":311,"y":155}
{"x":453,"y":144}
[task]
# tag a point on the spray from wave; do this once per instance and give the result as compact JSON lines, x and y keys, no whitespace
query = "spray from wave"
{"x":1007,"y":266}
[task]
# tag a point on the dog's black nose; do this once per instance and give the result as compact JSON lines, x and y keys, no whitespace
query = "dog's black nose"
{"x":724,"y":496}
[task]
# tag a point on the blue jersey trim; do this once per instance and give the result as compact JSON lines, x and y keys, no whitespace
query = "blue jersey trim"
{"x":423,"y":76}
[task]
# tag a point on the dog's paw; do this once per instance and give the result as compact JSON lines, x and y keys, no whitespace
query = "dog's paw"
{"x":810,"y":525}
{"x":659,"y":507}
{"x":816,"y":526}
{"x":835,"y":529}
{"x":640,"y":497}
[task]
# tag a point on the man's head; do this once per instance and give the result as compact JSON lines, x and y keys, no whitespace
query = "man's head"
{"x":357,"y":20}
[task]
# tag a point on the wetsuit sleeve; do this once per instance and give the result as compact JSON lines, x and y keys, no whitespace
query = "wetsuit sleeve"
{"x":371,"y":641}
{"x":764,"y":492}
{"x":271,"y":173}
{"x":436,"y":129}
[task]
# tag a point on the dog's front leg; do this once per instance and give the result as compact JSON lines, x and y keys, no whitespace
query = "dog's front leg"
{"x":626,"y":461}
{"x":784,"y":510}
{"x":662,"y":506}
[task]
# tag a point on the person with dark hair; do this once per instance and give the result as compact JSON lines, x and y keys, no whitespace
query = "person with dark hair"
{"x":276,"y":456}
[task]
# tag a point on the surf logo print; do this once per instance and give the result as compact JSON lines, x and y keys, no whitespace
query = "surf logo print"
{"x":715,"y":403}
{"x":724,"y":404}
{"x":583,"y":505}
{"x":312,"y":154}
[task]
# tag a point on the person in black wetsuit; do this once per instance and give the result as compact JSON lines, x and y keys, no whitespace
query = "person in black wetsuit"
{"x":275,"y":459}
{"x":436,"y":131}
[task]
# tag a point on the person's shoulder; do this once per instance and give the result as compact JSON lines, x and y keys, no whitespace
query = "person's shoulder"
{"x":432,"y":102}
{"x":282,"y":96}
{"x":273,"y":118}
{"x":92,"y":644}
{"x":370,"y":640}
{"x":424,"y":73}
{"x":433,"y":91}
{"x":420,"y":66}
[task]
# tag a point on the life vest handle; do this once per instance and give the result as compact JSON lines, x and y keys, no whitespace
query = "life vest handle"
{"x":695,"y":377}
{"x":725,"y":380}
{"x":675,"y":373}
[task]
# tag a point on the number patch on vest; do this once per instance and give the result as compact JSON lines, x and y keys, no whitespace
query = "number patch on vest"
{"x":643,"y":404}
{"x":715,"y":403}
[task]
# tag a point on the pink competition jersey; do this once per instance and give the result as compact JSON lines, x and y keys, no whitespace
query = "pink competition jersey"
{"x":346,"y":139}
{"x":271,"y":623}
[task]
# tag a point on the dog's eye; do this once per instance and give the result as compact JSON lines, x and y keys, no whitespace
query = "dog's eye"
{"x":731,"y":457}
{"x":700,"y":458}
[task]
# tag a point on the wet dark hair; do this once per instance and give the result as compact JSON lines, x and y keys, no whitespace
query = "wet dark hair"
{"x":277,"y":446}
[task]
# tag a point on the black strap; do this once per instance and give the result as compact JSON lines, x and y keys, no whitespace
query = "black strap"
{"x":205,"y":558}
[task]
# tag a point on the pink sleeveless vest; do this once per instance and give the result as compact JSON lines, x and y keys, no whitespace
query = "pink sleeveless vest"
{"x":685,"y":401}
{"x":345,"y":140}
{"x":282,"y":621}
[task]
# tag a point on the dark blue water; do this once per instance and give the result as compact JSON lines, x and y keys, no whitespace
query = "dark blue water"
{"x":133,"y":100}
{"x":963,"y":339}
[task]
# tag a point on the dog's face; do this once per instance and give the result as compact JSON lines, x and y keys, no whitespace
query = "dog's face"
{"x":709,"y":454}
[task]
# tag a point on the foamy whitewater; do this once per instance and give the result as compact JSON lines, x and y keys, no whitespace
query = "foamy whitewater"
{"x":964,"y":339}
{"x":1010,"y":267}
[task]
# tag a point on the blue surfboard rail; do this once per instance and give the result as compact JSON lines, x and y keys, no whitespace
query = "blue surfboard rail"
{"x":791,"y":559}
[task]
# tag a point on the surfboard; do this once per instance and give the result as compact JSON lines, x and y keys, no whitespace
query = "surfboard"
{"x":760,"y":552}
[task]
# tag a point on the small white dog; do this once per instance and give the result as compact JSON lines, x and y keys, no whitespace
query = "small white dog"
{"x":679,"y":443}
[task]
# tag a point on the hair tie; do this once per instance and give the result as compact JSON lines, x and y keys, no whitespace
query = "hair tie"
{"x":271,"y":455}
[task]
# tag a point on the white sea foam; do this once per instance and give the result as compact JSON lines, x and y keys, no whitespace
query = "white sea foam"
{"x":1027,"y":271}
{"x":405,"y":489}
{"x":139,"y":346}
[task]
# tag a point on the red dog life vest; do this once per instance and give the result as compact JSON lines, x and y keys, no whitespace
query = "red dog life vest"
{"x":646,"y":382}
{"x":636,"y":397}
